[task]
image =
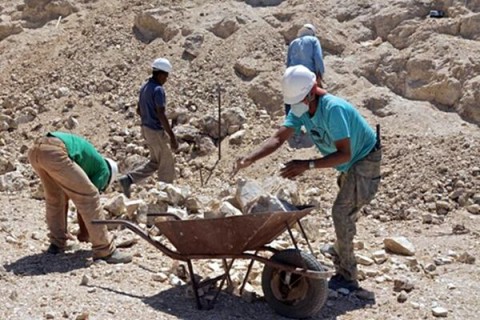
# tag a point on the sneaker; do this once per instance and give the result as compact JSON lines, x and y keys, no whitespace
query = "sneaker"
{"x":117,"y":257}
{"x":338,"y":282}
{"x":125,"y":183}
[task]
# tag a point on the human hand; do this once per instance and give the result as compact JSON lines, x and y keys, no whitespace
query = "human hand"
{"x":294,"y":168}
{"x":240,"y":164}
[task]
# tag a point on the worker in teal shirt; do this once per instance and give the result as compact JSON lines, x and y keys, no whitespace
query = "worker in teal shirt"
{"x":346,"y":142}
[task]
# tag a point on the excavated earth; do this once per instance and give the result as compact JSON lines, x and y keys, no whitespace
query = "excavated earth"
{"x":77,"y":66}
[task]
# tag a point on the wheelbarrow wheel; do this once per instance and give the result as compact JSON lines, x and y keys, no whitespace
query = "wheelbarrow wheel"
{"x":292,"y":295}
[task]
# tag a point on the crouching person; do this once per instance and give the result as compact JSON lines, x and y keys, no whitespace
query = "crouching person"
{"x":70,"y":168}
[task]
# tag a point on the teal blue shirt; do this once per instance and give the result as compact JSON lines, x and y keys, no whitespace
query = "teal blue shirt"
{"x":336,"y":119}
{"x":87,"y":157}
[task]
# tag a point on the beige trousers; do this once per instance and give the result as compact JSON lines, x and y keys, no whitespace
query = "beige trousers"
{"x":62,"y":180}
{"x":161,"y":158}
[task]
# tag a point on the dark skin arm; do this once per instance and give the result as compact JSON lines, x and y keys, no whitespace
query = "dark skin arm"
{"x":297,"y":167}
{"x":166,"y":125}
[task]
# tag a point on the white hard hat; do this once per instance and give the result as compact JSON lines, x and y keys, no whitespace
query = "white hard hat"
{"x":296,"y":83}
{"x":307,"y":30}
{"x":162,"y":64}
{"x":113,"y":170}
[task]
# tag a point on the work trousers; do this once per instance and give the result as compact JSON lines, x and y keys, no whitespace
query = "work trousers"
{"x":161,"y":158}
{"x":62,"y":180}
{"x":358,"y":186}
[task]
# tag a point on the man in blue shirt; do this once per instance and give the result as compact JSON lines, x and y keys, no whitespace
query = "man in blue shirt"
{"x":155,"y":128}
{"x":346,"y":142}
{"x":306,"y":50}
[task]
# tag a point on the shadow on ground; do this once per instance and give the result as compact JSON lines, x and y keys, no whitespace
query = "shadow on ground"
{"x":43,"y":263}
{"x":175,"y":302}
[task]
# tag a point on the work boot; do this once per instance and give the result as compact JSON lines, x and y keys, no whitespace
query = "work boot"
{"x":125,"y":183}
{"x":338,"y":281}
{"x":54,"y":249}
{"x":117,"y":257}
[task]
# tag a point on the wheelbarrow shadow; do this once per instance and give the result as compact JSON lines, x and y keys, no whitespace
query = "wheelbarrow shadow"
{"x":175,"y":302}
{"x":44,"y":263}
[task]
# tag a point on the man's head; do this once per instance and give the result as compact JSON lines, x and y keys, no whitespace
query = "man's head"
{"x":161,"y":67}
{"x":112,"y":165}
{"x":298,"y":86}
{"x":307,"y":30}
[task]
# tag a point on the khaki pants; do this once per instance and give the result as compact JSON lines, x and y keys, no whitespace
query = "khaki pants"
{"x":358,"y":186}
{"x":62,"y":180}
{"x":161,"y":158}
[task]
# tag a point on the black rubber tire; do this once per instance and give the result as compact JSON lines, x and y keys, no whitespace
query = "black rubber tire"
{"x":306,"y":297}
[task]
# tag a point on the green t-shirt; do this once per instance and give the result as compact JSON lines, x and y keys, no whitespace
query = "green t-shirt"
{"x":87,"y":157}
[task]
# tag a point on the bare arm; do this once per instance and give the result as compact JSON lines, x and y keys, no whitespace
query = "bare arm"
{"x":297,"y":167}
{"x":269,"y":146}
{"x":166,"y":126}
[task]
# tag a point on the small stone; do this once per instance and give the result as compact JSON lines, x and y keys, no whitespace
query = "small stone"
{"x":474,"y":209}
{"x":91,"y":290}
{"x":365,"y":295}
{"x":430,"y":267}
{"x":85,"y":280}
{"x":49,"y":315}
{"x":439,"y":312}
{"x":343,"y":291}
{"x":82,"y":316}
{"x":402,"y":297}
{"x":403,"y":284}
{"x":399,"y":245}
{"x":466,"y":258}
{"x":13,"y":295}
{"x":160,"y":277}
{"x":363,"y":260}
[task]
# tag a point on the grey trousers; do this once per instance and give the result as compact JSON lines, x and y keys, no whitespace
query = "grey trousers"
{"x":161,"y":158}
{"x":358,"y":186}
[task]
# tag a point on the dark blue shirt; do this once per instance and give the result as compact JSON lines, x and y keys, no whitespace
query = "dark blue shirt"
{"x":152,"y":97}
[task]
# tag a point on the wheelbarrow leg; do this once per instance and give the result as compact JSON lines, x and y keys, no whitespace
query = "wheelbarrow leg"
{"x":245,"y":279}
{"x":225,"y":266}
{"x":194,"y":284}
{"x":225,"y":275}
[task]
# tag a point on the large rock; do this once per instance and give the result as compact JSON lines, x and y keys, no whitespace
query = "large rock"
{"x":265,"y":93}
{"x":39,"y":12}
{"x":225,"y":27}
{"x":155,"y":23}
{"x":7,"y":28}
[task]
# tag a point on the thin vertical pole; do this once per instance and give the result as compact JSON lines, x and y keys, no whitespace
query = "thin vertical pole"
{"x":219,"y":123}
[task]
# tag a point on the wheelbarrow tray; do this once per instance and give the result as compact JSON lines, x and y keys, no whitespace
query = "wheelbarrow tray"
{"x":227,"y":236}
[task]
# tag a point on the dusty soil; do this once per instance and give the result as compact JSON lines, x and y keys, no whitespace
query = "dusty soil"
{"x":413,"y":75}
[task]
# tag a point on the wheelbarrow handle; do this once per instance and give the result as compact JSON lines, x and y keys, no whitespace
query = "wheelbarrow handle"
{"x":136,"y":229}
{"x":164,"y":214}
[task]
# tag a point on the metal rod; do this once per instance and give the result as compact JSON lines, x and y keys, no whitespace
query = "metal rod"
{"x":291,"y":236}
{"x":227,"y":274}
{"x":219,"y":122}
{"x":306,"y":238}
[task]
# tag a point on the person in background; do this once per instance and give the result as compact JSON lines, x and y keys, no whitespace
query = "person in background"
{"x":346,"y":142}
{"x":70,"y":168}
{"x":306,"y":50}
{"x":156,"y":130}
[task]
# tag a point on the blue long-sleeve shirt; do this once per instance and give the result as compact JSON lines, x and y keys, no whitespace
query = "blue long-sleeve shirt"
{"x":306,"y":51}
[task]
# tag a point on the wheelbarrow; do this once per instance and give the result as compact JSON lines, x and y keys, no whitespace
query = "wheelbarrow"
{"x":294,"y":283}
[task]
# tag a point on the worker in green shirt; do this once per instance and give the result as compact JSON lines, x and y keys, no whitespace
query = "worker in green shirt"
{"x":71,"y":168}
